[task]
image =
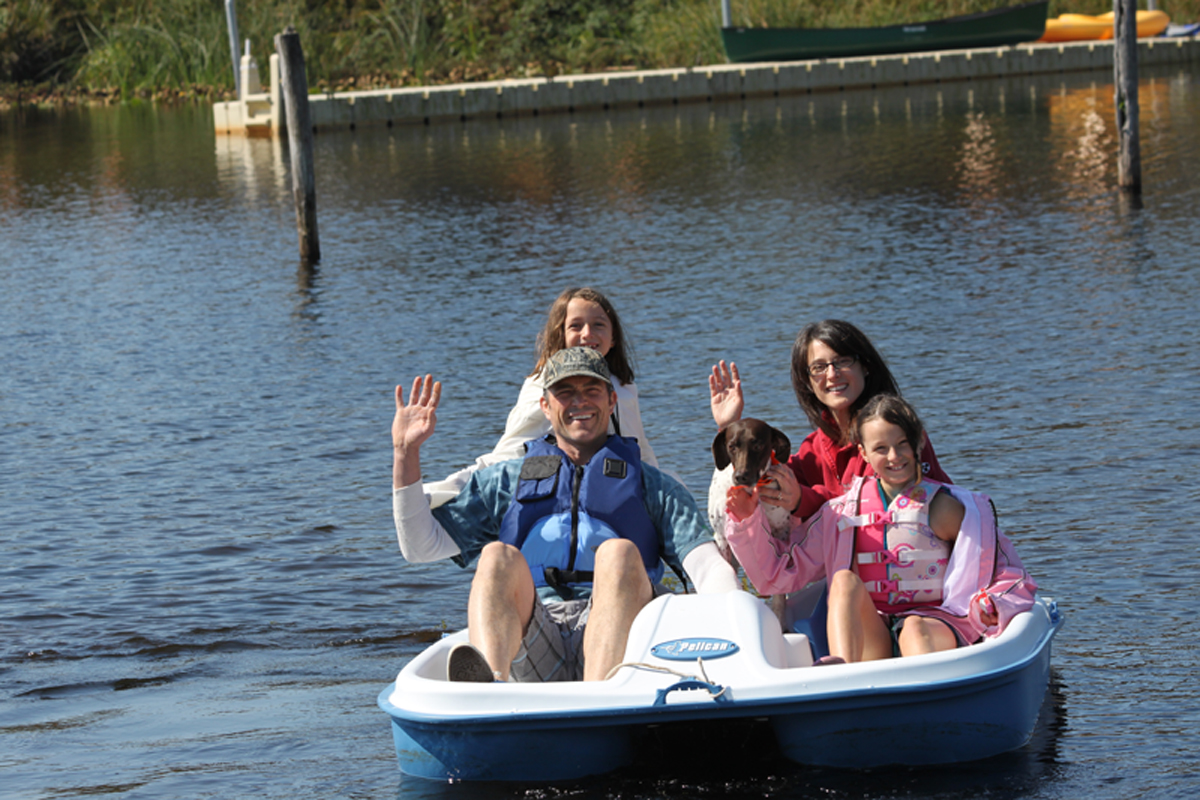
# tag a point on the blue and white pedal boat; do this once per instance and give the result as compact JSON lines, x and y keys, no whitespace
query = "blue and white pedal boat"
{"x":707,"y":658}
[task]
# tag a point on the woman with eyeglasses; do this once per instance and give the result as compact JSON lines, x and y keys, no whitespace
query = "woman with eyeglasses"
{"x":835,"y":371}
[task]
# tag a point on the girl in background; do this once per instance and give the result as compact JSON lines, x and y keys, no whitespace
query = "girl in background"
{"x":579,"y":317}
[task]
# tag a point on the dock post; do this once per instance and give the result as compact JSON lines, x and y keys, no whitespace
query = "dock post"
{"x":231,"y":24}
{"x":1125,"y":81}
{"x":276,"y":96}
{"x":300,"y":140}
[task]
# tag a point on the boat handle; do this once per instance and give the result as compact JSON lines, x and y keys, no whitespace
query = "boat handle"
{"x":718,"y":692}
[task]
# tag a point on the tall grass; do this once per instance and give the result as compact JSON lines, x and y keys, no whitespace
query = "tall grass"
{"x":148,"y":46}
{"x":37,"y":41}
{"x":142,"y":48}
{"x":401,"y":31}
{"x":679,"y":33}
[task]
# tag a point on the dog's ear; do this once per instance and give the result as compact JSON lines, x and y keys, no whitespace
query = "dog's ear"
{"x":720,"y":451}
{"x":781,"y":444}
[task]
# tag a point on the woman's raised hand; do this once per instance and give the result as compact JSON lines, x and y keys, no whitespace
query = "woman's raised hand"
{"x":725,"y":390}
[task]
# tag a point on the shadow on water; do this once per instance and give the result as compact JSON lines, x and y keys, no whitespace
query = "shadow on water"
{"x":741,"y":760}
{"x":1129,"y":203}
{"x":308,"y":290}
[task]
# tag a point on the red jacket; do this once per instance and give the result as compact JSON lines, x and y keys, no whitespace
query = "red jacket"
{"x":826,"y":469}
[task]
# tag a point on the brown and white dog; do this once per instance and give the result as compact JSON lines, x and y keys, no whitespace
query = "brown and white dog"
{"x":742,"y":453}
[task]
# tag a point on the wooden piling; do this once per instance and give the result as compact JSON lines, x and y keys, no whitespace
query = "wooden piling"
{"x":231,"y":24}
{"x":1125,"y":82}
{"x":300,"y":140}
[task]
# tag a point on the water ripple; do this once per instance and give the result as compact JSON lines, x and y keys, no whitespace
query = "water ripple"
{"x":202,"y":593}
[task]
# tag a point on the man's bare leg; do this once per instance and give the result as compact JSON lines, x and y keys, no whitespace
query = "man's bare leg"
{"x":501,"y":605}
{"x":620,"y":589}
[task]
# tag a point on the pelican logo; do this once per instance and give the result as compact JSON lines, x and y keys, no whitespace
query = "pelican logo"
{"x":691,"y":649}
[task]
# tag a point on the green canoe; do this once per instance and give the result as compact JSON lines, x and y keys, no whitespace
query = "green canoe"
{"x":1003,"y":26}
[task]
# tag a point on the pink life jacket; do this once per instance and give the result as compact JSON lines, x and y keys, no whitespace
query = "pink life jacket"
{"x":984,"y":569}
{"x":897,"y":555}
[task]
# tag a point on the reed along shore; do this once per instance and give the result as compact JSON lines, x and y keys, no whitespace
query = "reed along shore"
{"x":108,"y":50}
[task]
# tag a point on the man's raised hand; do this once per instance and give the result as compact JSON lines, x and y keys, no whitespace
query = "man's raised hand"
{"x":414,"y":423}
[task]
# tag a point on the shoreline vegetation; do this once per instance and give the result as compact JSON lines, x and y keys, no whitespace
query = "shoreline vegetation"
{"x":104,"y":51}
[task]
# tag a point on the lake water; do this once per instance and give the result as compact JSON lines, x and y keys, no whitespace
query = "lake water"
{"x":202,"y":593}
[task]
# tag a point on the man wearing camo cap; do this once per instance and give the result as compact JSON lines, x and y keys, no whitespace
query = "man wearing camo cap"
{"x":571,"y":540}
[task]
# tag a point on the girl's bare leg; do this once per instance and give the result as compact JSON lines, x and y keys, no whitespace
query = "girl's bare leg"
{"x":855,"y":629}
{"x":925,"y":635}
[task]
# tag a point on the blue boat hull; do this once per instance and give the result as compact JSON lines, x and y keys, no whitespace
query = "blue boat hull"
{"x":520,"y":751}
{"x":959,"y":706}
{"x":935,"y":725}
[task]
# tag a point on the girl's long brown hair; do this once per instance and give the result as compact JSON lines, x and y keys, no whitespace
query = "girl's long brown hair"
{"x":554,"y":338}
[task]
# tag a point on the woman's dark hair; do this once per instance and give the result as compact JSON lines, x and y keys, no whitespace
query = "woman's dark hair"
{"x":554,"y":338}
{"x":895,"y":410}
{"x":845,"y":340}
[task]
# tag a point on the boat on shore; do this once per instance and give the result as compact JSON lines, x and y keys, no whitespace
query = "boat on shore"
{"x":1082,"y":27}
{"x":723,"y":658}
{"x":1002,"y":26}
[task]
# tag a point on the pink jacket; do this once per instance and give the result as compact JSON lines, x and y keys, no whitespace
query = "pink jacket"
{"x":983,"y":564}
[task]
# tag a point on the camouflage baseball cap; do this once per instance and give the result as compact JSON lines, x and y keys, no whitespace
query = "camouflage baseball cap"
{"x":575,"y":361}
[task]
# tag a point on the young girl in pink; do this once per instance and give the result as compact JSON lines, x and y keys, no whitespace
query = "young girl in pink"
{"x":913,"y":565}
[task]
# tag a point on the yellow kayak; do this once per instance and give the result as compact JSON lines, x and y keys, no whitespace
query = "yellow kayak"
{"x":1149,"y":23}
{"x":1082,"y":27}
{"x":1075,"y":28}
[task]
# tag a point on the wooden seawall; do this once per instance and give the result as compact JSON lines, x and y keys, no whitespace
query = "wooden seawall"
{"x":260,"y":114}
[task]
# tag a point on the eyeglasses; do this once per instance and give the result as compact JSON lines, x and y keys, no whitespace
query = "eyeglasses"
{"x":839,"y":364}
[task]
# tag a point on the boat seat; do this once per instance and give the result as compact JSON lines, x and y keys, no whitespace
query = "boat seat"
{"x":806,"y":614}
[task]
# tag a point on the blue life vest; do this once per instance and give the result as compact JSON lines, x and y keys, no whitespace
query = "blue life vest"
{"x":561,"y":512}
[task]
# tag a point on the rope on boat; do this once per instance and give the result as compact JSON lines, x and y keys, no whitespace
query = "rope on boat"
{"x":677,"y":673}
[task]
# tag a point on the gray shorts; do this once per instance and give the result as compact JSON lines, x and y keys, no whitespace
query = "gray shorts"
{"x":552,"y":649}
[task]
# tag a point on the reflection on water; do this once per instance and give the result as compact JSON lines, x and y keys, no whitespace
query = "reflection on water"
{"x":979,"y":169}
{"x":1082,"y":118}
{"x":539,"y":160}
{"x":200,"y":571}
{"x":254,"y":167}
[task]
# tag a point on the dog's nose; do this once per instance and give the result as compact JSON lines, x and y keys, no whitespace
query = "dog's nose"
{"x":744,"y":478}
